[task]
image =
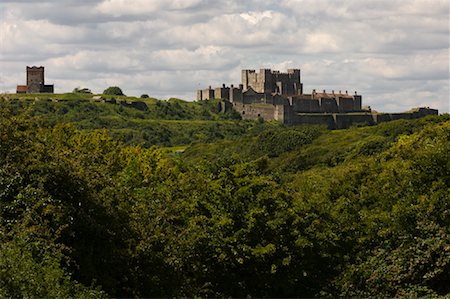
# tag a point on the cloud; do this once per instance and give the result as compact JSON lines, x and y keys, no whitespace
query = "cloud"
{"x":208,"y":57}
{"x":256,"y":17}
{"x":321,"y":42}
{"x":419,"y":66}
{"x":394,"y":52}
{"x":139,"y":7}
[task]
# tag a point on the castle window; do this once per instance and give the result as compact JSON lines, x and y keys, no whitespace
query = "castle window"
{"x":243,"y":112}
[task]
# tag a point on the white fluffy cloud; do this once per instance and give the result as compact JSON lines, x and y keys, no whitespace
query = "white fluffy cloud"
{"x":139,"y":7}
{"x":393,"y":52}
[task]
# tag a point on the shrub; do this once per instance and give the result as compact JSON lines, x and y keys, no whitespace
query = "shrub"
{"x":113,"y":90}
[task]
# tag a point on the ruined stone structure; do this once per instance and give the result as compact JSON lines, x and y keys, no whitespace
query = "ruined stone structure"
{"x":35,"y":82}
{"x":273,"y":95}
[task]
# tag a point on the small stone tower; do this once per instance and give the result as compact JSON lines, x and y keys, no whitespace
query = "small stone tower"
{"x":35,"y":82}
{"x":35,"y":79}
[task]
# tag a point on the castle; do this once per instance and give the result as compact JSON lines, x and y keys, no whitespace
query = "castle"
{"x":35,"y":82}
{"x":273,"y":95}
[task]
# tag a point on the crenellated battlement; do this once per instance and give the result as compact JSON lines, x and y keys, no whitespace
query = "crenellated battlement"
{"x":278,"y":88}
{"x":273,"y":95}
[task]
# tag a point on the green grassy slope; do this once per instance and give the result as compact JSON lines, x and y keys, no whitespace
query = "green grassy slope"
{"x":293,"y":149}
{"x":164,"y":123}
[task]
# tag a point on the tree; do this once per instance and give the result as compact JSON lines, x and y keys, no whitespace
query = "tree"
{"x":113,"y":90}
{"x":144,"y":96}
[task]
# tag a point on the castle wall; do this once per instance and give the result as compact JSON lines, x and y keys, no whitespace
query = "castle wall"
{"x":281,"y":113}
{"x":267,"y":112}
{"x":357,"y":99}
{"x":328,"y":105}
{"x":199,"y":95}
{"x":417,"y":113}
{"x":343,"y":121}
{"x":266,"y":82}
{"x":395,"y":116}
{"x":426,"y":111}
{"x":235,"y":94}
{"x":225,"y":106}
{"x":205,"y":94}
{"x":251,"y":97}
{"x":313,"y":119}
{"x":284,"y":114}
{"x":304,"y":104}
{"x":380,"y":118}
{"x":222,"y":92}
{"x":345,"y":104}
{"x":276,"y":99}
{"x":333,"y":120}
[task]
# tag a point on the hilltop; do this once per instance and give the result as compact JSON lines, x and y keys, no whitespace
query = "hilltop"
{"x":132,"y":120}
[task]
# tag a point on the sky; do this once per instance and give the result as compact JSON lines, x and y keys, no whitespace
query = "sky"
{"x":395,"y":53}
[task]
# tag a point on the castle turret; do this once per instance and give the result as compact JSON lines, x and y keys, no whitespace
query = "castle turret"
{"x":35,"y":81}
{"x":271,"y":82}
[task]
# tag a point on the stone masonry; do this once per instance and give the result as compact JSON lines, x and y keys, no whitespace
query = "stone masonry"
{"x":276,"y":88}
{"x":273,"y":95}
{"x":35,"y":82}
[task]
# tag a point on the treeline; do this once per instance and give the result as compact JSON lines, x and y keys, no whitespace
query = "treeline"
{"x":274,"y":212}
{"x":163,"y":123}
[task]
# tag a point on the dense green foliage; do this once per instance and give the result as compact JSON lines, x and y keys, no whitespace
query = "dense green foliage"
{"x":165,"y":123}
{"x":266,"y":211}
{"x":113,"y":90}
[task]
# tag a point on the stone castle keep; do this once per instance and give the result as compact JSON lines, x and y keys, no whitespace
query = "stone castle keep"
{"x":273,"y":95}
{"x":35,"y":82}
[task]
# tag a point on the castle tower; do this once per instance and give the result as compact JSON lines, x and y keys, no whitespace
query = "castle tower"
{"x":269,"y":82}
{"x":295,"y":80}
{"x":250,"y":79}
{"x":266,"y":81}
{"x":35,"y":79}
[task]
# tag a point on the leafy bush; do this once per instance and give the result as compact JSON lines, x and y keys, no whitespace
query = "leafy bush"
{"x":30,"y":270}
{"x":275,"y":142}
{"x":113,"y":90}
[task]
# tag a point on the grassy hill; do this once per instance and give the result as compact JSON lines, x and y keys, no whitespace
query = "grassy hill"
{"x":163,"y":123}
{"x":297,"y":148}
